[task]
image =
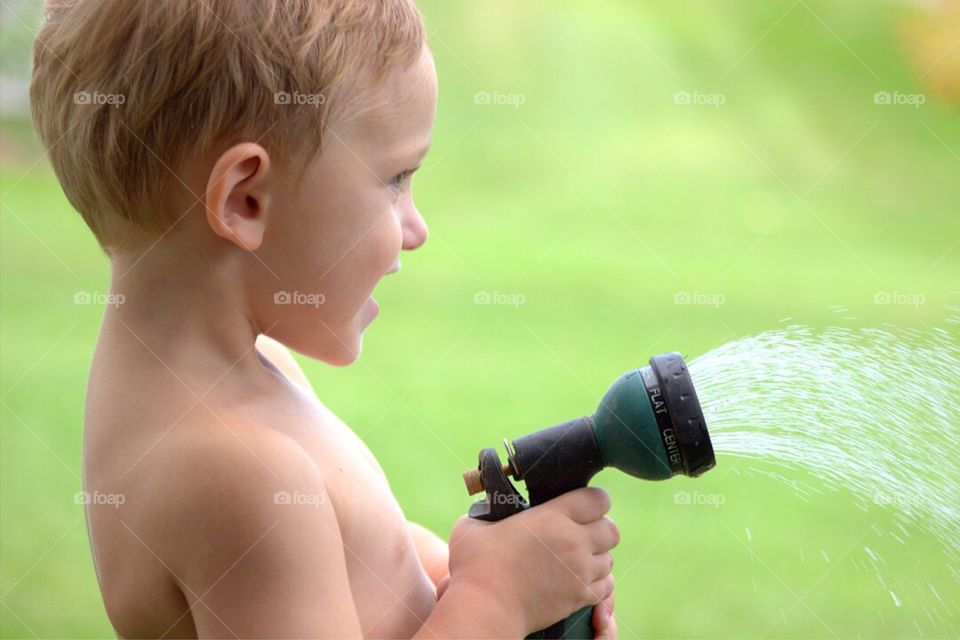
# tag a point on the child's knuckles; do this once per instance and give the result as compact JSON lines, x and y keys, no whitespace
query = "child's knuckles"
{"x":604,"y":535}
{"x":599,"y":590}
{"x":614,"y":532}
{"x":601,"y":499}
{"x":603,"y":588}
{"x":610,"y":583}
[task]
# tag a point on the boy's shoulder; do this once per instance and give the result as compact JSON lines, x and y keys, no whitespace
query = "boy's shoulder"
{"x":224,"y":472}
{"x":228,"y":452}
{"x":228,"y":474}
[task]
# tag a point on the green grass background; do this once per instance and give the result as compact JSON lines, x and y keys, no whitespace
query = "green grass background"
{"x":598,"y":200}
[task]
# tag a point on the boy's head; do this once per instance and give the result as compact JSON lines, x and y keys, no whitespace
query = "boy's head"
{"x":267,"y":142}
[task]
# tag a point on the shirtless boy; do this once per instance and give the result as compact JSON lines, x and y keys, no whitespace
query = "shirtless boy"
{"x":246,"y":165}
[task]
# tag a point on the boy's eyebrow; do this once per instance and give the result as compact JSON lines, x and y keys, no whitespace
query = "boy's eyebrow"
{"x":417,"y":156}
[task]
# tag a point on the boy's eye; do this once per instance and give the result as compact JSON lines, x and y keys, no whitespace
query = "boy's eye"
{"x":399,"y":180}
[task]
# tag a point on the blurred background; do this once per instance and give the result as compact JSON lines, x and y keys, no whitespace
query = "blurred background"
{"x":609,"y":180}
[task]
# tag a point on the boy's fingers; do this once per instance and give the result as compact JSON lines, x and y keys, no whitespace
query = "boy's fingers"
{"x":610,"y":607}
{"x":583,"y":505}
{"x":602,"y":588}
{"x":604,"y":535}
{"x":604,"y":622}
{"x":611,"y":630}
{"x":602,"y":565}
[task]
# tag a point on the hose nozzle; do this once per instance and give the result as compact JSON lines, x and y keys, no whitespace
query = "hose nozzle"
{"x":649,"y":424}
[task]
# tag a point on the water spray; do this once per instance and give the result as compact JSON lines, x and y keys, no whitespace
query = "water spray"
{"x":649,"y":424}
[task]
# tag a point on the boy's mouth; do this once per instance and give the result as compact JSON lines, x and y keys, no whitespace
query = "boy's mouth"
{"x":370,"y":308}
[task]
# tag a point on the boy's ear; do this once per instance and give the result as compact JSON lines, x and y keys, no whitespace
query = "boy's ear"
{"x":237,"y":195}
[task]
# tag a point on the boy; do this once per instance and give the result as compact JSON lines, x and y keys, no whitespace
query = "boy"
{"x":246,"y":165}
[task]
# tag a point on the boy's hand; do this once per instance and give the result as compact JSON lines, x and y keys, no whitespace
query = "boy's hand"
{"x":541,"y":564}
{"x":604,"y":622}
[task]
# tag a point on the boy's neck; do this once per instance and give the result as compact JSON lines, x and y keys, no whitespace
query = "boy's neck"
{"x":194,"y":319}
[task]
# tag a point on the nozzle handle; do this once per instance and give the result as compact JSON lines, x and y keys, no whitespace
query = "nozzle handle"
{"x":503,"y":500}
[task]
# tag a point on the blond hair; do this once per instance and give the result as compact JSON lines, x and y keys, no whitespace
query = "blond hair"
{"x":123,"y":90}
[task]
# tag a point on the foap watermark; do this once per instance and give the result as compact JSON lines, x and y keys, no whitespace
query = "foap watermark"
{"x":696,"y":498}
{"x":499,"y":297}
{"x":496,"y":98}
{"x":900,"y":298}
{"x":299,"y":297}
{"x":299,"y":498}
{"x":499,"y":497}
{"x":96,"y":498}
{"x":299,"y":99}
{"x":699,"y":297}
{"x":699,"y":98}
{"x":896,"y":98}
{"x":95,"y":98}
{"x":98,"y":297}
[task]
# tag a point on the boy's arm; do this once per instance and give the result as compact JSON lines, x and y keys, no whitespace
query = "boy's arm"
{"x":433,"y":552}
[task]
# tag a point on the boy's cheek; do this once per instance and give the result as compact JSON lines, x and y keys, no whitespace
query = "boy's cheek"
{"x":382,"y":249}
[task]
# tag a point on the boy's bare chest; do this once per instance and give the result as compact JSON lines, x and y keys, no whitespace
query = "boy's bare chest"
{"x":391,"y":591}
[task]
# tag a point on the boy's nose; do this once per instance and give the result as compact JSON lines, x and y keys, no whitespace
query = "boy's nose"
{"x":415,"y":230}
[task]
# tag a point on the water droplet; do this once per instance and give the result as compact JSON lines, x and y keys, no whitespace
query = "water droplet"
{"x":896,"y":600}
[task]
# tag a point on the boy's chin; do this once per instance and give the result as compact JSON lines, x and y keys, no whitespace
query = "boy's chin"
{"x":335,"y":346}
{"x":335,"y":343}
{"x":344,"y":358}
{"x":343,"y":351}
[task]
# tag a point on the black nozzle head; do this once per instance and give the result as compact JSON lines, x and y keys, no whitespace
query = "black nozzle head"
{"x":685,"y":413}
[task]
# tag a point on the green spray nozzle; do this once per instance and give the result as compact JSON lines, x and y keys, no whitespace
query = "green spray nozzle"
{"x":649,"y":424}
